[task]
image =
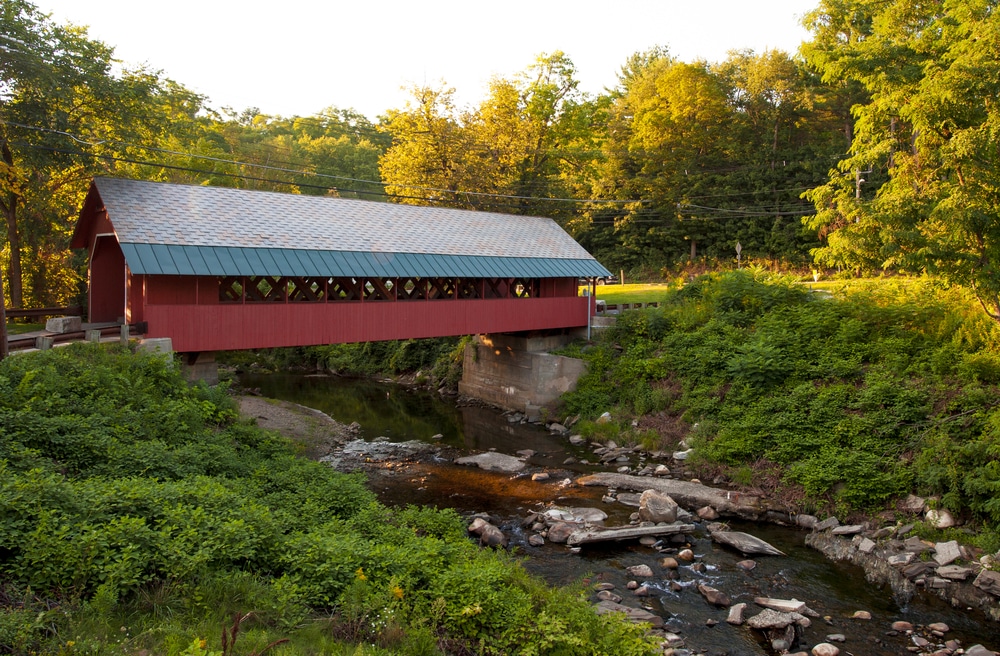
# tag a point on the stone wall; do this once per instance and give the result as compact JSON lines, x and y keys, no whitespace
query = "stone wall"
{"x":518,"y":373}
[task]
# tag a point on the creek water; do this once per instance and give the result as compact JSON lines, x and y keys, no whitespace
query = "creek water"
{"x":835,"y":590}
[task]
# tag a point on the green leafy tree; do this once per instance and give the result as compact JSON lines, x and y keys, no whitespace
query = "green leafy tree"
{"x":58,"y":95}
{"x":530,"y":140}
{"x":919,"y":191}
{"x":427,"y":159}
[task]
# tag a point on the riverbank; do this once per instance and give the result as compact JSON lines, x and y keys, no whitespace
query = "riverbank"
{"x":315,"y":432}
{"x":430,"y":477}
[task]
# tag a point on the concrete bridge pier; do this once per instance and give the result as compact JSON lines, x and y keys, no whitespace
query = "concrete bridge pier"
{"x":518,"y":373}
{"x":200,"y":366}
{"x":194,"y":366}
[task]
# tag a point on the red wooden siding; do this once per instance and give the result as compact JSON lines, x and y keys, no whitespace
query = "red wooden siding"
{"x":237,"y":326}
{"x":107,"y":281}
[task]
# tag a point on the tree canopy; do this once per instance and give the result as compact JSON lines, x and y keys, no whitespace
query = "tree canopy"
{"x":919,"y":191}
{"x":872,"y":148}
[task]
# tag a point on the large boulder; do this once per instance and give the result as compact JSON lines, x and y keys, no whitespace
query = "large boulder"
{"x":657,"y":507}
{"x":988,"y":581}
{"x":979,"y":650}
{"x":714,"y":596}
{"x":940,"y":518}
{"x":492,"y":537}
{"x":560,"y":532}
{"x":489,"y":535}
{"x":493,"y":461}
{"x":772,"y":619}
{"x":945,"y":553}
{"x":913,"y":504}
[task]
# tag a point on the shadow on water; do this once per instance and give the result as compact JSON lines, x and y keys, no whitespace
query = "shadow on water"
{"x":835,"y":590}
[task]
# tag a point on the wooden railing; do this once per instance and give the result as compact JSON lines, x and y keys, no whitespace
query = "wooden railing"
{"x":18,"y":342}
{"x":38,"y":313}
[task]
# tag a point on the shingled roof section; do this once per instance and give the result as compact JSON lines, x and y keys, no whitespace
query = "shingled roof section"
{"x":193,"y":230}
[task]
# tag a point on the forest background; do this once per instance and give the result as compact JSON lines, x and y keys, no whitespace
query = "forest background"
{"x":873,"y":147}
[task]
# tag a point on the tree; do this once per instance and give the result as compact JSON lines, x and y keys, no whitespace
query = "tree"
{"x":668,"y":135}
{"x":58,"y":95}
{"x":927,"y":143}
{"x":528,"y":141}
{"x":427,"y":159}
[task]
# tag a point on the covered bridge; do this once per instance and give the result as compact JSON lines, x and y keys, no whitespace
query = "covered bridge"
{"x":218,"y":269}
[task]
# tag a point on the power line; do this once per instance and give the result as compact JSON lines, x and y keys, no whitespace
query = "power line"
{"x":748,"y":193}
{"x":220,"y":160}
{"x":175,"y":167}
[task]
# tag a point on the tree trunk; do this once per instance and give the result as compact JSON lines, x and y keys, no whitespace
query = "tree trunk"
{"x":3,"y":325}
{"x":13,"y":237}
{"x":14,"y":271}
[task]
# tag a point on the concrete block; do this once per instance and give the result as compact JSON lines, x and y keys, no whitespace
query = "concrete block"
{"x":158,"y":345}
{"x":64,"y":325}
{"x":93,"y":336}
{"x":44,"y":343}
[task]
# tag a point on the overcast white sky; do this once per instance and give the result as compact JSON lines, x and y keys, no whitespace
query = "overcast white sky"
{"x":293,"y":57}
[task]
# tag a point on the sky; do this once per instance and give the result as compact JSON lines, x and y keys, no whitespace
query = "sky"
{"x":297,"y":57}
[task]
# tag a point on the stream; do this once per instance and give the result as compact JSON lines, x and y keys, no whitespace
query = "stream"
{"x":834,"y":590}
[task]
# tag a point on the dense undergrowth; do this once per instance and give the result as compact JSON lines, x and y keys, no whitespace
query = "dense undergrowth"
{"x":438,"y":360}
{"x":852,"y":400}
{"x":139,"y":515}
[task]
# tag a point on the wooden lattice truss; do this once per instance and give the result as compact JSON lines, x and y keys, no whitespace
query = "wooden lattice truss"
{"x":299,"y":289}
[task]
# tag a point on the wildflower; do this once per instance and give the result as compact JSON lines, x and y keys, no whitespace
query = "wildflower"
{"x":397,"y":592}
{"x":360,"y":574}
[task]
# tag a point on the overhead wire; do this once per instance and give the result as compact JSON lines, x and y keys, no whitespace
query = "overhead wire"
{"x":319,"y":175}
{"x":698,"y":214}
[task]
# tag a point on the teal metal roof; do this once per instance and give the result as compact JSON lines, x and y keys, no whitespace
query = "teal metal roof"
{"x":160,"y":259}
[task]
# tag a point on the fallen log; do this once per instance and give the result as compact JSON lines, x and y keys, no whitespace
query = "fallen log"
{"x":588,"y":536}
{"x":745,"y":542}
{"x":685,"y":493}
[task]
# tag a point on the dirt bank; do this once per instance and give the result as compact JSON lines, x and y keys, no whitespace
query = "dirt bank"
{"x":316,"y":432}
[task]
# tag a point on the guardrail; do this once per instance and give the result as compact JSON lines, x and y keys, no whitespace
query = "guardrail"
{"x":604,"y":309}
{"x":48,"y":340}
{"x":38,"y":313}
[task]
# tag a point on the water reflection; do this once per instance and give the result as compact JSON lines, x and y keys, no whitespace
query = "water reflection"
{"x":400,"y":414}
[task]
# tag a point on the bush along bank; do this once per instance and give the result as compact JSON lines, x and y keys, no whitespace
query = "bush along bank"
{"x":139,"y":515}
{"x":839,"y":405}
{"x":434,"y":362}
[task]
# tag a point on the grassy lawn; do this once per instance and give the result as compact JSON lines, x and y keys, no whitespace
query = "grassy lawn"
{"x":642,"y":293}
{"x":851,"y":285}
{"x":21,"y":328}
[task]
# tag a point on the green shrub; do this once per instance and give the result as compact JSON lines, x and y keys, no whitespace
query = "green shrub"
{"x":857,"y":399}
{"x":144,"y":516}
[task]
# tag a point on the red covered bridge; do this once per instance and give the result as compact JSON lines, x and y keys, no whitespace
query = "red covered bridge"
{"x":219,"y":269}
